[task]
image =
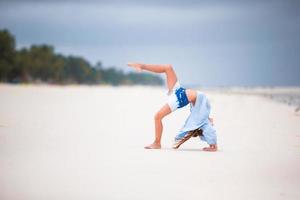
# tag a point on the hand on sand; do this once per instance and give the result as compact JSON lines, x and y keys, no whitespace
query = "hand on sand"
{"x":211,"y":148}
{"x":153,"y":146}
{"x":137,"y":66}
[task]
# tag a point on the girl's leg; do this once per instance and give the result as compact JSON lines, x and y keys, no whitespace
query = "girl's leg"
{"x":191,"y":95}
{"x":164,"y":111}
{"x":167,"y":69}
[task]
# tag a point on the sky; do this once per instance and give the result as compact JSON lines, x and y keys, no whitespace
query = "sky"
{"x":209,"y":43}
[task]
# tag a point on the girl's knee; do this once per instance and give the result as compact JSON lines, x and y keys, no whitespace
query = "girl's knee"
{"x":164,"y":111}
{"x":169,"y":67}
{"x":158,"y":116}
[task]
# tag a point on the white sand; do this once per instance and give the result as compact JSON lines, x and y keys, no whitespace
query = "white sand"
{"x":84,"y":142}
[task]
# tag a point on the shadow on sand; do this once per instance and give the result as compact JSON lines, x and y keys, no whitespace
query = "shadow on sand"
{"x":188,"y":149}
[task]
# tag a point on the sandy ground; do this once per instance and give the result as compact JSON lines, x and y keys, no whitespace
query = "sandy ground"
{"x":85,"y":142}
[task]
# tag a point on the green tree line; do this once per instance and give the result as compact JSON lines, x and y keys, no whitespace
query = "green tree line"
{"x":40,"y":63}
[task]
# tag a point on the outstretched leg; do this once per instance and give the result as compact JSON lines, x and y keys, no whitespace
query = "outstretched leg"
{"x":167,"y":69}
{"x":164,"y":111}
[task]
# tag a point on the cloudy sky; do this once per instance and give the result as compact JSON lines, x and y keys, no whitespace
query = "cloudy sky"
{"x":209,"y":43}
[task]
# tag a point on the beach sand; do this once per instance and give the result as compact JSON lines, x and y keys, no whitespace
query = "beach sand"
{"x":83,"y":142}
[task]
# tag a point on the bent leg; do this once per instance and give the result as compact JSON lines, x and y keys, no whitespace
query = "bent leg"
{"x":164,"y":111}
{"x":191,"y":95}
{"x":167,"y":69}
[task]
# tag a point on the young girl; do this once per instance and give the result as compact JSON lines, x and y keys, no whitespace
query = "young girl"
{"x":178,"y":98}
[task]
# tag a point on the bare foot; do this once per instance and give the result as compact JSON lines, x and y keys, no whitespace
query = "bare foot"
{"x":137,"y":66}
{"x":211,"y":148}
{"x":153,"y":146}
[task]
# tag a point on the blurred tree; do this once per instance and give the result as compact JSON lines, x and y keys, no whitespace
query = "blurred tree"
{"x":7,"y":54}
{"x":40,"y":63}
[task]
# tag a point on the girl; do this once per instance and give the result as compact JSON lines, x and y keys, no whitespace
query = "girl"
{"x":178,"y":98}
